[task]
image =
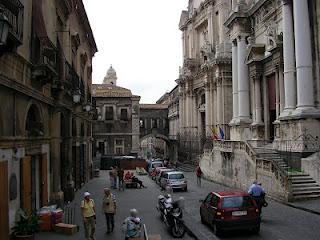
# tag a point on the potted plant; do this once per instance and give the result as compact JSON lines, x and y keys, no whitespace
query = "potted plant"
{"x":25,"y":226}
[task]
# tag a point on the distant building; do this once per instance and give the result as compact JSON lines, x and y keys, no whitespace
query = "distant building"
{"x":116,"y":129}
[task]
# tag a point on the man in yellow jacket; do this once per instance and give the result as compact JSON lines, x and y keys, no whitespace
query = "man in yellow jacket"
{"x":88,"y":213}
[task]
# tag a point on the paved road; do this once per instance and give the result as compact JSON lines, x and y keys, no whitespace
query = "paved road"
{"x":142,"y":199}
{"x":280,"y":222}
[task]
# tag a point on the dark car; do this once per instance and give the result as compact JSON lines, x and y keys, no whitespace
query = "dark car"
{"x":230,"y":210}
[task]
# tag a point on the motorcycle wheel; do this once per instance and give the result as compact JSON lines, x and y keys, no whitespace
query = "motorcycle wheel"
{"x":179,"y":231}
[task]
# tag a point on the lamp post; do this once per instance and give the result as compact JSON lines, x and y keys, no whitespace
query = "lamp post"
{"x":76,"y":96}
{"x":4,"y":28}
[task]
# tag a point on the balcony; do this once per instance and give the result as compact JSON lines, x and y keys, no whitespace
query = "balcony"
{"x":13,"y":10}
{"x":44,"y":69}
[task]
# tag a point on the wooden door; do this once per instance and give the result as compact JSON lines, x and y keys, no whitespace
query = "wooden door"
{"x":4,"y":202}
{"x":26,"y":185}
{"x":44,"y":180}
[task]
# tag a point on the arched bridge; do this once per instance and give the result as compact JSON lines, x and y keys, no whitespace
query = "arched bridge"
{"x":154,"y":123}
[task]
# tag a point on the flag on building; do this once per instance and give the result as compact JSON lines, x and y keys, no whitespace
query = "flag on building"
{"x":221,"y":133}
{"x":214,"y":134}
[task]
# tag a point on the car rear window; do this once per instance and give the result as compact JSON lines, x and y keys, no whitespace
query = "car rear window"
{"x":155,"y":165}
{"x":176,"y":176}
{"x":233,"y":202}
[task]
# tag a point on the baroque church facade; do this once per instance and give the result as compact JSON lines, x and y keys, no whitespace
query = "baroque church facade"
{"x":250,"y":80}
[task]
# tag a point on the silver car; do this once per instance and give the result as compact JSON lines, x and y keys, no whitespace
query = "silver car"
{"x":161,"y":172}
{"x":174,"y":179}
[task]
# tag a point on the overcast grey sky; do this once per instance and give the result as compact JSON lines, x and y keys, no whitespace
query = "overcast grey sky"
{"x":142,"y":41}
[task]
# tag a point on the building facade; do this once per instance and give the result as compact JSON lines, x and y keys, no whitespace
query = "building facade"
{"x":261,"y":96}
{"x":45,"y":136}
{"x":116,"y":129}
{"x":205,"y":87}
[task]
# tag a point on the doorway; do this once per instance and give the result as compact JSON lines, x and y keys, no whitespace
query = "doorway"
{"x":4,"y":203}
{"x":272,"y":105}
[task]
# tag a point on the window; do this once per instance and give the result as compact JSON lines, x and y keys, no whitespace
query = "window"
{"x":208,"y":198}
{"x":176,"y":176}
{"x":214,"y":201}
{"x":233,"y":202}
{"x":124,"y":114}
{"x":141,"y":123}
{"x":119,"y":146}
{"x":119,"y":150}
{"x":203,"y":99}
{"x":109,"y":113}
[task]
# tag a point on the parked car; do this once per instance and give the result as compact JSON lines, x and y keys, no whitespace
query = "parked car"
{"x":160,"y":173}
{"x":154,"y":165}
{"x":174,"y":179}
{"x":156,"y":171}
{"x":230,"y":210}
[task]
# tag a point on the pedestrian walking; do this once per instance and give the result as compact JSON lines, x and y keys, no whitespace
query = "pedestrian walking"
{"x":88,"y":213}
{"x":258,"y":194}
{"x":132,"y":225}
{"x":120,"y":178}
{"x":109,"y":208}
{"x":199,"y":175}
{"x":115,"y":177}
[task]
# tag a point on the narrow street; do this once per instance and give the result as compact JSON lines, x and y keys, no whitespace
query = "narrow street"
{"x":280,"y":222}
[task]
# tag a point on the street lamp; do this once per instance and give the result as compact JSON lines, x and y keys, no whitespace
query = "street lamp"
{"x":87,"y":107}
{"x":77,"y":96}
{"x":4,"y":27}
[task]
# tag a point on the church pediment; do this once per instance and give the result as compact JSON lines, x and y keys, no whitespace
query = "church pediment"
{"x":256,"y":53}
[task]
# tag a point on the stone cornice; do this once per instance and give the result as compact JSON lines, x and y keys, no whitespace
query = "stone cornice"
{"x":28,"y":91}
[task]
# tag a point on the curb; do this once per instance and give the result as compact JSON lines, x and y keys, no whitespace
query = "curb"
{"x":302,"y":208}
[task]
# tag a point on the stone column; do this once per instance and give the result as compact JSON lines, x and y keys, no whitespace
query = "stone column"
{"x":258,"y":95}
{"x":208,"y":106}
{"x":234,"y":82}
{"x":55,"y":126}
{"x":281,"y":86}
{"x":288,"y":60}
{"x":277,"y":92}
{"x":302,"y":34}
{"x":219,"y":100}
{"x":243,"y":81}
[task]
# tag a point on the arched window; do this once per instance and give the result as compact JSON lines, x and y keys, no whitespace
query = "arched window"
{"x":34,"y":126}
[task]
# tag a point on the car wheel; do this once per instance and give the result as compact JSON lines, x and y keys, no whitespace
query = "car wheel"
{"x":216,"y":230}
{"x":256,"y":229}
{"x":202,"y":219}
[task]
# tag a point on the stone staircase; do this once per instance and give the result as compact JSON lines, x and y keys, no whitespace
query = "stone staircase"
{"x":303,"y":186}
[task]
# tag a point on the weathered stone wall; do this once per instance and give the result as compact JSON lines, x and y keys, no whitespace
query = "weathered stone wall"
{"x":237,"y":170}
{"x":311,"y":165}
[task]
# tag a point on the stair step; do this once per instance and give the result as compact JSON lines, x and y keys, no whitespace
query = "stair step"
{"x":305,"y":192}
{"x":298,"y":174}
{"x":304,"y":185}
{"x":303,"y":181}
{"x":302,"y":197}
{"x":300,"y":177}
{"x":299,"y":189}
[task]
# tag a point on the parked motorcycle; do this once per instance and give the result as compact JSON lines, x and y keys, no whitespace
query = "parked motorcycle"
{"x":171,"y":214}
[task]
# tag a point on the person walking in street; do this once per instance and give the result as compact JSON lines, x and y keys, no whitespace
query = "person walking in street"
{"x":88,"y":213}
{"x":258,"y":193}
{"x":120,"y":177}
{"x":132,"y":225}
{"x":199,"y":175}
{"x":109,"y":208}
{"x":115,"y":177}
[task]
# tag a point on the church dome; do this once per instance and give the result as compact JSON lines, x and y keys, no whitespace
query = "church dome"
{"x":111,"y":77}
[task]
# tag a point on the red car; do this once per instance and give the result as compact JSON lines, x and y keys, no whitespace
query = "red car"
{"x":230,"y":210}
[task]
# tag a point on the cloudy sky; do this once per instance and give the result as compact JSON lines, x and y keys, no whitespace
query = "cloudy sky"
{"x":141,"y":40}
